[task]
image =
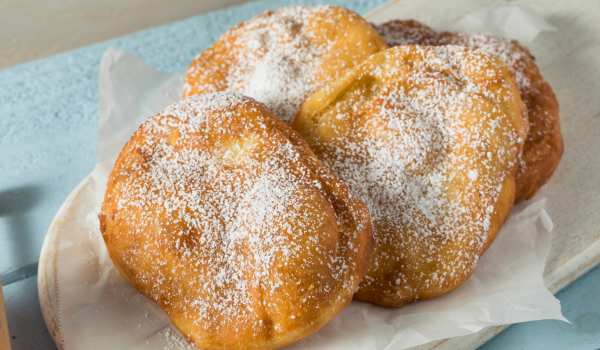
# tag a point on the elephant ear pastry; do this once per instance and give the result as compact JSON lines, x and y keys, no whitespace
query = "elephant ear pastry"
{"x":220,"y":213}
{"x":430,"y":139}
{"x":280,"y":58}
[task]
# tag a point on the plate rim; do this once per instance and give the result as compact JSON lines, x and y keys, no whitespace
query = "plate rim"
{"x":48,"y":295}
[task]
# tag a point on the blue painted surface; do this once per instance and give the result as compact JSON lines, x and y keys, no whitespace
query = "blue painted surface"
{"x":580,"y":304}
{"x":49,"y":114}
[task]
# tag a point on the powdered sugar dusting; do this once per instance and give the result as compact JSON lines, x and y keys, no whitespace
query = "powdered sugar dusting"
{"x":509,"y":51}
{"x":280,"y":58}
{"x":276,"y":59}
{"x":216,"y":209}
{"x":283,"y":60}
{"x":543,"y":148}
{"x":411,"y":154}
{"x":176,"y":341}
{"x":410,"y":32}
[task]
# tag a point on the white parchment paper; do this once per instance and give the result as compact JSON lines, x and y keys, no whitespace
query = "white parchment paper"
{"x":98,"y":309}
{"x":514,"y":22}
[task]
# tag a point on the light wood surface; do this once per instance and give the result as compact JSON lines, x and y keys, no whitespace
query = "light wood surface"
{"x":32,"y":29}
{"x":4,"y":334}
{"x":569,"y":61}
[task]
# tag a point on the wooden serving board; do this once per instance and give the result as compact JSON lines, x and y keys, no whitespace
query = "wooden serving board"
{"x":4,"y":334}
{"x":570,"y":60}
{"x":47,"y":268}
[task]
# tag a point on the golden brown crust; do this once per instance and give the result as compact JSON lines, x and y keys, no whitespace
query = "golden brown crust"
{"x":544,"y":146}
{"x":429,"y":138}
{"x":222,"y":215}
{"x":281,"y":57}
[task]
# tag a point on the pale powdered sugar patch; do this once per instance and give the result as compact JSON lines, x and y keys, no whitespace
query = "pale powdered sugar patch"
{"x":279,"y":62}
{"x":282,"y":58}
{"x":176,"y":341}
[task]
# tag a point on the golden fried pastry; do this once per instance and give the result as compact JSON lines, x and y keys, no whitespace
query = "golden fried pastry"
{"x":280,"y":58}
{"x":429,"y":138}
{"x":544,"y":146}
{"x":221,"y":214}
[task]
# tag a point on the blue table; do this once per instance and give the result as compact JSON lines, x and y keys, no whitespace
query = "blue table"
{"x":48,"y":124}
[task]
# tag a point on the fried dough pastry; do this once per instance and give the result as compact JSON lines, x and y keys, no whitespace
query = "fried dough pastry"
{"x":280,"y":58}
{"x":429,"y":138}
{"x":544,"y":145}
{"x":221,"y":214}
